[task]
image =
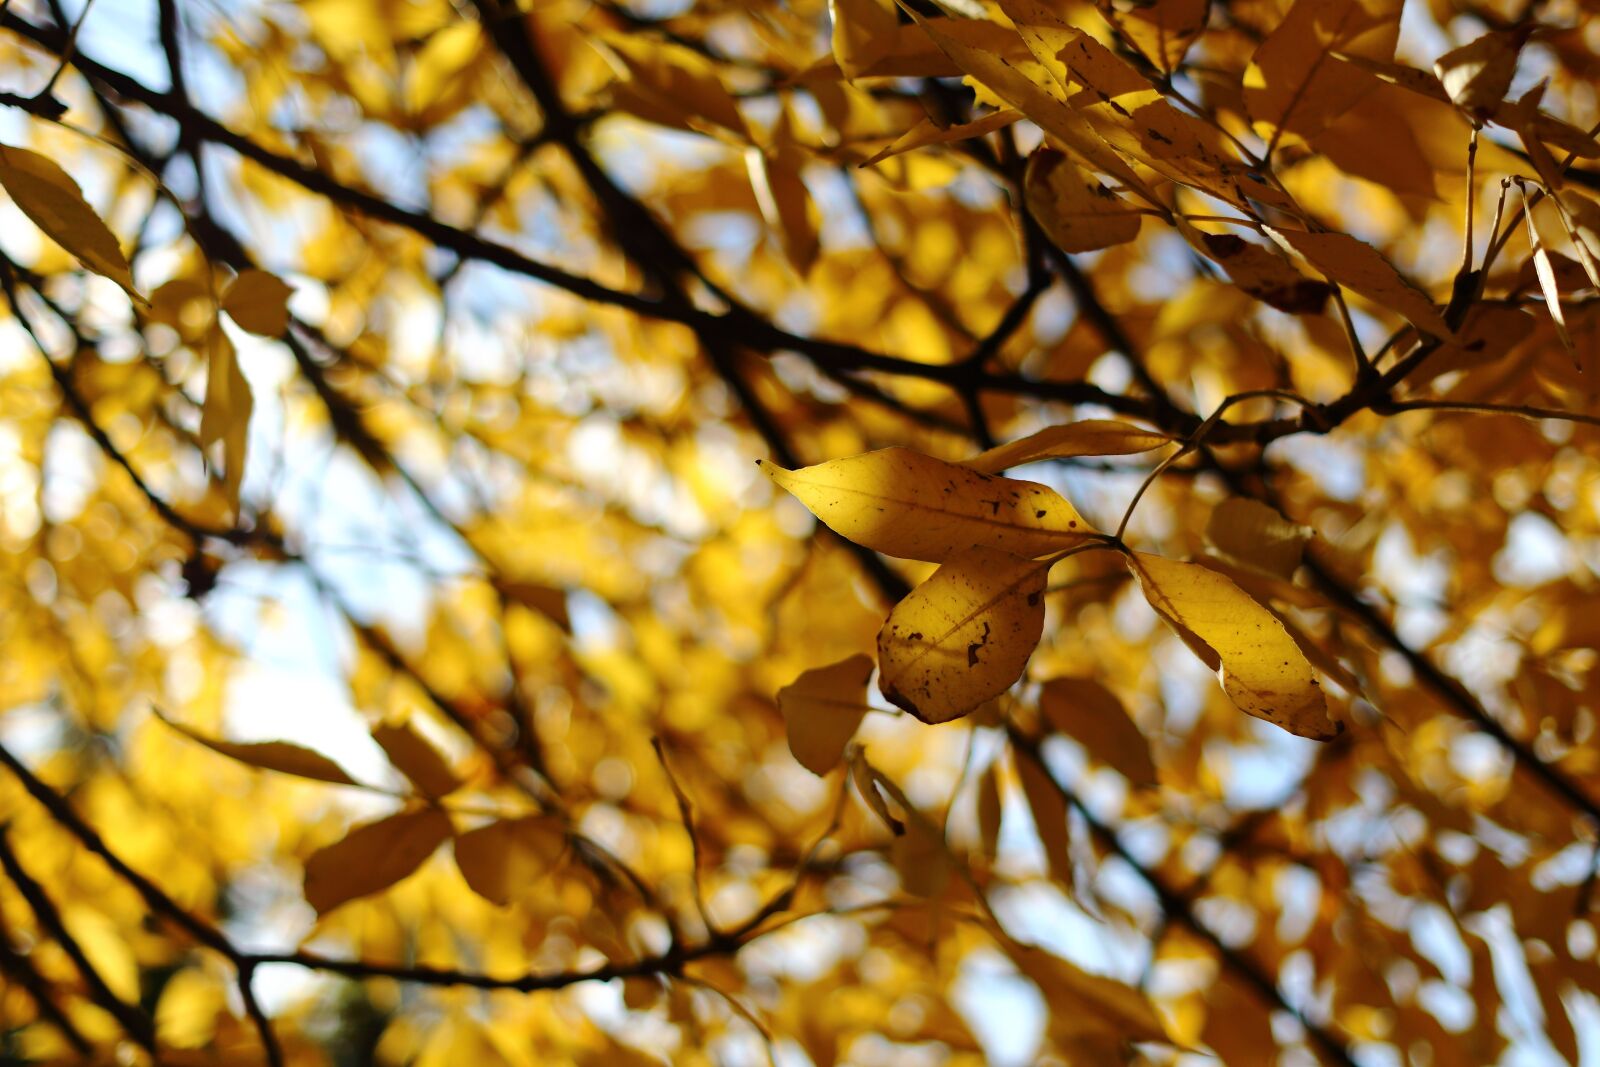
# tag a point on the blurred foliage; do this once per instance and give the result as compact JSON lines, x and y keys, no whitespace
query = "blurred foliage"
{"x":408,"y":662}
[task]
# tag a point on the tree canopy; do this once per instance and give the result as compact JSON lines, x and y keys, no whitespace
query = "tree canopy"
{"x":929,"y":532}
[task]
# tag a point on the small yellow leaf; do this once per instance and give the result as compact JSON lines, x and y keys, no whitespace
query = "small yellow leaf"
{"x":415,"y":758}
{"x":1255,"y":535}
{"x":1086,"y":437}
{"x":48,"y":195}
{"x":962,"y":636}
{"x":1049,"y":810}
{"x":187,"y":1013}
{"x":1360,"y":267}
{"x":1478,"y":75}
{"x":920,"y":857}
{"x":1091,"y":715}
{"x":785,"y":205}
{"x":373,"y":857}
{"x":925,"y":133}
{"x":1075,"y":211}
{"x":822,"y":709}
{"x":501,"y":860}
{"x":1263,"y":671}
{"x":259,"y":302}
{"x":226,"y":415}
{"x":903,"y":503}
{"x":1547,"y":282}
{"x":280,"y":756}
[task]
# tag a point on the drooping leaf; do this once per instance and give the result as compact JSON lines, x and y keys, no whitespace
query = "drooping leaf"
{"x":1074,"y":210}
{"x":1263,"y":671}
{"x":502,"y":859}
{"x":280,"y":756}
{"x":1049,"y":810}
{"x":903,"y":503}
{"x":373,"y":857}
{"x":259,"y":302}
{"x":990,"y":809}
{"x":863,"y":33}
{"x":962,"y":636}
{"x":822,"y":709}
{"x":226,"y":415}
{"x":1090,"y":714}
{"x":1360,"y":267}
{"x":1257,"y":536}
{"x":1086,"y":437}
{"x":52,"y":200}
{"x":785,"y":204}
{"x":416,"y":758}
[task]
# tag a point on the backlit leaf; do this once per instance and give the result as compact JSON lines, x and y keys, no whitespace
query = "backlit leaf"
{"x":503,"y":859}
{"x":280,"y":756}
{"x":226,"y":415}
{"x":1086,"y":437}
{"x":821,"y":710}
{"x":372,"y":857}
{"x":416,"y":758}
{"x":1091,"y":715}
{"x":962,"y":636}
{"x":52,"y":200}
{"x":903,"y":503}
{"x":1074,"y":210}
{"x":1477,"y":76}
{"x":259,"y":302}
{"x":1049,"y":810}
{"x":1257,"y":536}
{"x":1263,"y":671}
{"x":1358,"y":266}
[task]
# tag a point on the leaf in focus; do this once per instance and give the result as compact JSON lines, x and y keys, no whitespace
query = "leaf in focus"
{"x":54,"y":202}
{"x":1264,"y":274}
{"x":1049,"y":811}
{"x":926,"y":133}
{"x":1362,"y":268}
{"x":1256,"y":535}
{"x":226,"y":415}
{"x":1477,"y":76}
{"x":1086,"y":437}
{"x":962,"y":636}
{"x":1075,"y":211}
{"x":1263,"y":671}
{"x":822,"y":709}
{"x":372,"y":857}
{"x":416,"y":758}
{"x":903,"y":503}
{"x":259,"y":302}
{"x":1090,"y":714}
{"x":503,"y":859}
{"x":1548,"y":284}
{"x":280,"y":756}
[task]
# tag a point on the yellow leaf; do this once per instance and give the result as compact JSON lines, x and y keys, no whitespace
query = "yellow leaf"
{"x":280,"y":756}
{"x":1257,"y":536}
{"x":1295,"y":81}
{"x":259,"y":302}
{"x":925,"y":133}
{"x":373,"y":857}
{"x":1262,"y":272}
{"x":1263,"y":671}
{"x":226,"y":415}
{"x":1091,"y":715}
{"x":962,"y":636}
{"x":187,"y":1013}
{"x":821,"y":710}
{"x":903,"y":503}
{"x":1478,"y":75}
{"x":1049,"y":810}
{"x":48,"y":196}
{"x":107,"y":948}
{"x":1547,"y":282}
{"x":1086,"y":437}
{"x":501,"y":860}
{"x":863,"y":32}
{"x":415,"y":758}
{"x":1358,"y":266}
{"x":920,"y":857}
{"x":1074,"y":210}
{"x":1161,"y":30}
{"x":785,"y":205}
{"x":669,"y":84}
{"x":1088,"y":1003}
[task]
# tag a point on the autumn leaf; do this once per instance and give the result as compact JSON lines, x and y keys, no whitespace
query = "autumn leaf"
{"x":502,"y":859}
{"x":1089,"y":713}
{"x":903,"y":503}
{"x":1264,"y":274}
{"x":1049,"y":812}
{"x":259,"y":302}
{"x":280,"y":756}
{"x":54,"y":203}
{"x":822,"y":709}
{"x":1074,"y":210}
{"x":226,"y":415}
{"x":1358,"y":266}
{"x":372,"y":857}
{"x":1263,"y":671}
{"x":1086,"y":437}
{"x":962,"y":636}
{"x":417,"y":759}
{"x":1477,"y":76}
{"x":1256,"y":535}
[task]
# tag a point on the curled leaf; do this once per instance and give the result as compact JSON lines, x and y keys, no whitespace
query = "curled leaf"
{"x":1263,"y":671}
{"x":903,"y":503}
{"x":962,"y":636}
